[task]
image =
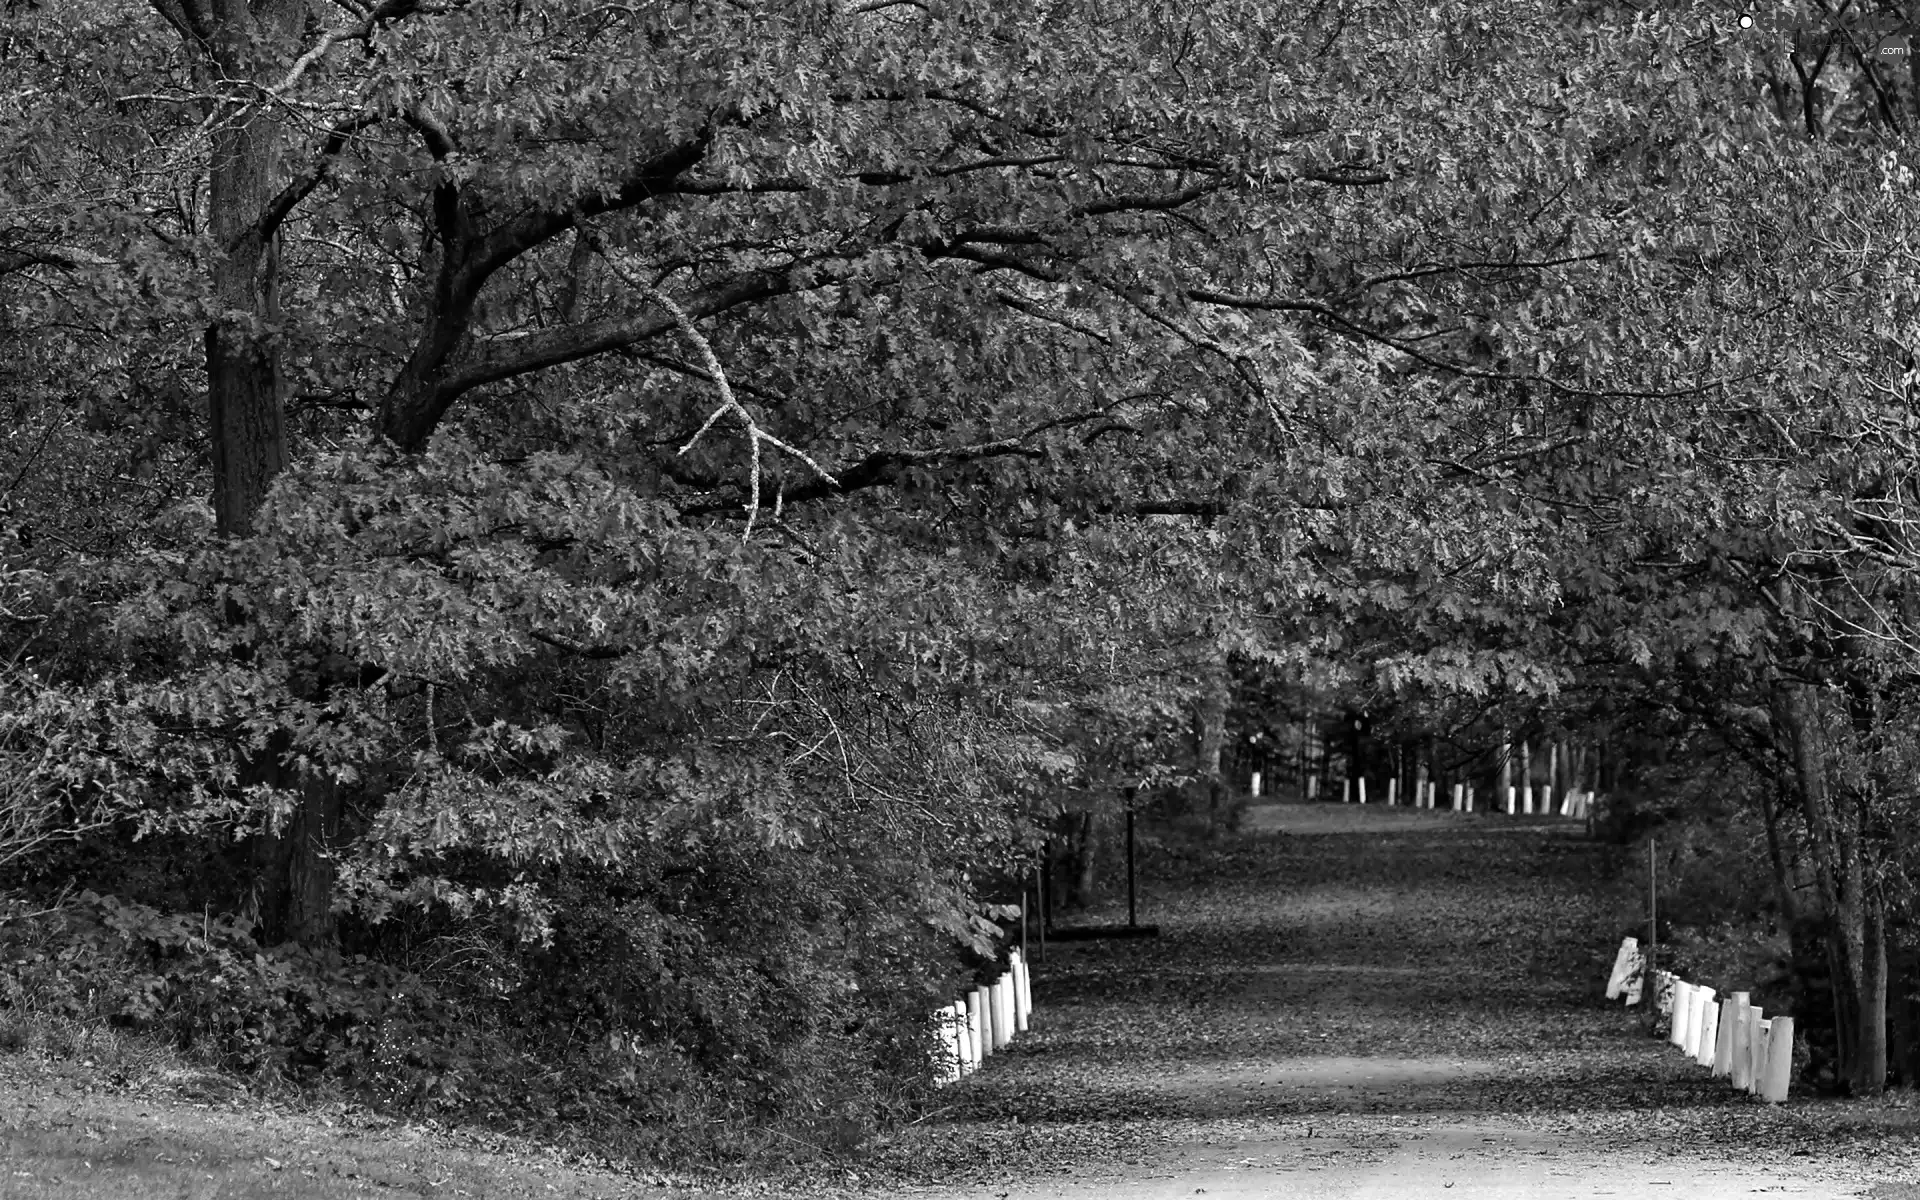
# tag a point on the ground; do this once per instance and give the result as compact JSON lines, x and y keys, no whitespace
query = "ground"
{"x":1343,"y":1002}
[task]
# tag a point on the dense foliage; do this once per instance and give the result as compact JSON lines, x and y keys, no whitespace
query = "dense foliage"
{"x":631,"y":516}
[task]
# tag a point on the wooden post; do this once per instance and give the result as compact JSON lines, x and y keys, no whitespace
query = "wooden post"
{"x":1741,"y":1072}
{"x":977,"y":1025}
{"x":1526,"y":775}
{"x":963,"y":1037}
{"x":1707,"y":1031}
{"x":1131,"y":912}
{"x":1682,"y":1006}
{"x":1653,"y":927}
{"x":1773,"y":1089}
{"x":1723,"y":1034}
{"x":1623,"y":963}
{"x":1504,"y":790}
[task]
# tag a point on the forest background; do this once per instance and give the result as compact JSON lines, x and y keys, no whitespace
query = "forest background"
{"x":563,"y":560}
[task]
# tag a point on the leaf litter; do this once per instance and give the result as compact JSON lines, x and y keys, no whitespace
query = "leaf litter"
{"x":1340,"y":988}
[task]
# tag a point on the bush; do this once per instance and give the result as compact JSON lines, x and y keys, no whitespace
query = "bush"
{"x":202,"y":983}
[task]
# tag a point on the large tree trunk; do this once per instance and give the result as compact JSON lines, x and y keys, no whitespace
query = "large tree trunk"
{"x":292,"y":865}
{"x":1855,"y":917}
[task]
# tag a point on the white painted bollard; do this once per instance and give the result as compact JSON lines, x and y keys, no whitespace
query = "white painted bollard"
{"x":1393,"y":793}
{"x":1011,"y":1004}
{"x":1256,"y":785}
{"x":955,"y":1018}
{"x":1363,"y":789}
{"x":979,"y":1025}
{"x":1022,"y":992}
{"x":1707,"y":1028}
{"x":1627,"y":956}
{"x":948,"y":1070}
{"x":1723,"y":1036}
{"x":1662,"y":993}
{"x":1459,"y":797}
{"x":1757,"y":1031}
{"x":1742,"y":1049}
{"x":1346,"y":791}
{"x":1469,"y":797}
{"x":1682,"y":1010}
{"x":963,"y":1037}
{"x":1002,"y":993}
{"x":1773,"y":1089}
{"x":1527,"y":795}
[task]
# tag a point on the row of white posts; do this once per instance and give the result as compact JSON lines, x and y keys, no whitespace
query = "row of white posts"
{"x":1734,"y":1037}
{"x":1426,"y":794}
{"x":984,"y":1021}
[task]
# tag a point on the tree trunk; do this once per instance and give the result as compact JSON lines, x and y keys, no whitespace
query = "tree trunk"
{"x":1855,"y":919}
{"x":293,"y":870}
{"x":1210,"y":738}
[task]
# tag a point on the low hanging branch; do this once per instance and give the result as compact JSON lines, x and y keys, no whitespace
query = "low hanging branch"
{"x":729,"y":403}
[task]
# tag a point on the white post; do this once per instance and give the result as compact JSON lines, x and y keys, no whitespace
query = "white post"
{"x":1313,"y":787}
{"x":1346,"y":791}
{"x":1469,"y":797}
{"x":1022,"y":993}
{"x":979,"y":1024}
{"x":1363,"y":789}
{"x":963,"y":1035}
{"x":1002,"y":992}
{"x":1626,"y":956}
{"x":1682,"y":1010}
{"x":1742,"y":1049}
{"x":1459,"y":796}
{"x":1393,"y":792}
{"x":1773,"y":1089}
{"x":1706,"y":1029}
{"x":1723,"y":1047}
{"x":1757,"y":1041}
{"x":1256,"y":785}
{"x":1509,"y":799}
{"x":1723,"y":1036}
{"x":948,"y":1068}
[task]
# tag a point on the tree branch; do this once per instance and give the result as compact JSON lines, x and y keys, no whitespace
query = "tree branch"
{"x":302,"y":185}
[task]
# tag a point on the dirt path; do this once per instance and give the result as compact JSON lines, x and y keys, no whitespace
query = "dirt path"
{"x":1373,"y":1002}
{"x":1346,"y":1002}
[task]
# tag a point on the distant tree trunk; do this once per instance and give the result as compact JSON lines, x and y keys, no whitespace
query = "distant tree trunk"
{"x":1210,"y":738}
{"x":1076,"y":864}
{"x":1903,"y":1016}
{"x":1855,"y":919}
